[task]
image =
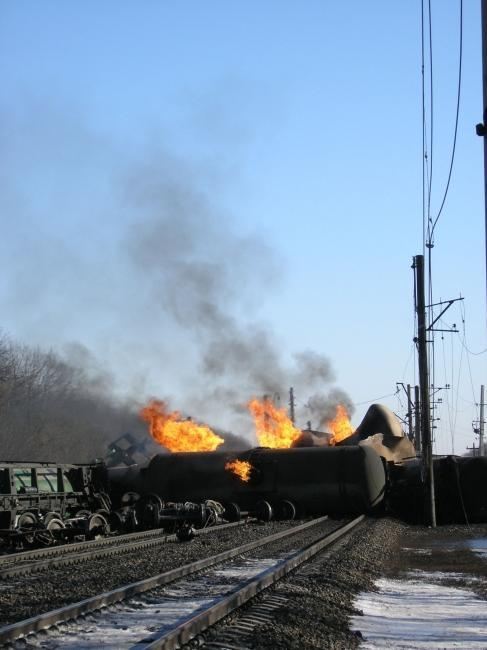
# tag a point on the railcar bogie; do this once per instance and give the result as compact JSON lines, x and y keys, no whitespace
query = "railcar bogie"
{"x":47,"y":503}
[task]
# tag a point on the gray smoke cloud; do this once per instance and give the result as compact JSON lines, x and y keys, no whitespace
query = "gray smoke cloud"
{"x":208,"y":279}
{"x":321,"y":407}
{"x":162,"y":298}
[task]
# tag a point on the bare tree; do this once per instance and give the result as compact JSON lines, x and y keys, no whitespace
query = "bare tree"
{"x":51,"y":409}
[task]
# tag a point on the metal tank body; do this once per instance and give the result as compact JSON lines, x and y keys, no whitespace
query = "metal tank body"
{"x":460,"y":493}
{"x":335,"y":480}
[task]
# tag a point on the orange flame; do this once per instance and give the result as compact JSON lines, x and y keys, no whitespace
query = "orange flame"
{"x":340,"y":426}
{"x":169,"y":430}
{"x":241,"y":468}
{"x":273,"y":427}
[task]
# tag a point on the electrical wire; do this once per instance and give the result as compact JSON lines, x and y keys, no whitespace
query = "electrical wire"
{"x":460,"y":58}
{"x":406,"y":366}
{"x":464,"y":341}
{"x":375,"y":399}
{"x":474,"y":354}
{"x":424,"y":146}
{"x":428,"y":173}
{"x":430,"y":184}
{"x":468,"y":356}
{"x":447,"y":399}
{"x":457,"y":390}
{"x":427,"y":169}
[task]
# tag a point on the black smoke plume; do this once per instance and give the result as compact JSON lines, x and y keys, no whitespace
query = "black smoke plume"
{"x":161,"y":298}
{"x":209,"y":280}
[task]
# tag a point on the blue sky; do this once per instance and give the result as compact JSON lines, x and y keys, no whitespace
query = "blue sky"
{"x":298,"y":127}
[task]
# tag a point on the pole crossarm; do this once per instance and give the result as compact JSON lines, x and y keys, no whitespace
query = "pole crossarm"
{"x":452,"y":331}
{"x":410,"y":402}
{"x":448,"y":304}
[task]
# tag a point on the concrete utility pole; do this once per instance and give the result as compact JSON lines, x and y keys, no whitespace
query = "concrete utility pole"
{"x":410,"y":414}
{"x":291,"y":405}
{"x":426,"y":446}
{"x":417,"y":421}
{"x":473,"y":449}
{"x":481,"y":423}
{"x":482,"y":128}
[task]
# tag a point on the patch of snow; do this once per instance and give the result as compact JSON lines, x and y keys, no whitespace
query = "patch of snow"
{"x":418,"y":614}
{"x":438,"y":576}
{"x":132,"y":623}
{"x":478,"y":546}
{"x":418,"y":551}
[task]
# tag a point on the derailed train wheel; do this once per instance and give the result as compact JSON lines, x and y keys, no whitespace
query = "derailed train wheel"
{"x":54,"y":526}
{"x":27,"y":521}
{"x":232,"y":512}
{"x":53,"y":522}
{"x":82,"y":514}
{"x":51,"y":519}
{"x":285,"y":510}
{"x":148,"y":510}
{"x":263,"y":511}
{"x":97,"y":526}
{"x":116,"y":521}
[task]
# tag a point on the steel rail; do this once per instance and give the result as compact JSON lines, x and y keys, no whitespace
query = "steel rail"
{"x":57,"y":549}
{"x":190,"y":628}
{"x":71,"y":557}
{"x":14,"y":631}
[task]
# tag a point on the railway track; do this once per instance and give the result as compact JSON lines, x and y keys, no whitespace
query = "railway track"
{"x":23,"y":563}
{"x":167,"y":610}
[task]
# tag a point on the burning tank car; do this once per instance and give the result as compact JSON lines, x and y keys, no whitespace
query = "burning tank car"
{"x":374,"y":470}
{"x":44,"y":503}
{"x":280,"y":482}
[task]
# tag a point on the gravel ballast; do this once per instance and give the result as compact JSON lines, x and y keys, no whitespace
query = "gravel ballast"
{"x":27,"y":596}
{"x":319,"y":597}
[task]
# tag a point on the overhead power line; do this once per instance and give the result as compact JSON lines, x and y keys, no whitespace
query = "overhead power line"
{"x":459,"y":86}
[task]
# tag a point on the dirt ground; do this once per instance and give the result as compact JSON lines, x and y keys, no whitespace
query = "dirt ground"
{"x":457,"y":550}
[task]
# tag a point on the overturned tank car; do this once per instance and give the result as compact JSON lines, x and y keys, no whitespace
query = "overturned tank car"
{"x":317,"y":480}
{"x":460,"y":495}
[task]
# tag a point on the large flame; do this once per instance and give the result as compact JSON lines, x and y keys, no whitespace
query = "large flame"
{"x":241,"y":468}
{"x":273,"y":427}
{"x":340,"y":426}
{"x":168,"y":429}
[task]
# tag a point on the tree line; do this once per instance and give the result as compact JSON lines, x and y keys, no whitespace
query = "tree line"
{"x":53,"y":410}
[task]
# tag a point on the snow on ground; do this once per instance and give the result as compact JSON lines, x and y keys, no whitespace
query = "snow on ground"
{"x":479,"y":546}
{"x":421,"y":614}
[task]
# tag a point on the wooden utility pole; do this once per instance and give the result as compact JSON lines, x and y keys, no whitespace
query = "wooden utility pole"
{"x":426,"y":446}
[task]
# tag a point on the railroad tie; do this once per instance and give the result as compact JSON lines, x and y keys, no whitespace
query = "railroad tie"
{"x":236,"y":633}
